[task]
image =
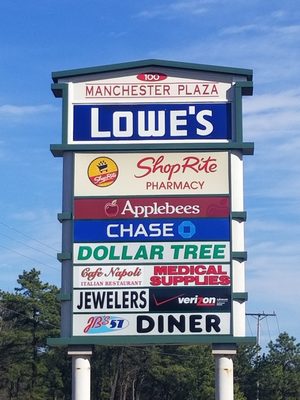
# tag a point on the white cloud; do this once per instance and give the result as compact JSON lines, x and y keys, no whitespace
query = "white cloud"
{"x":288,"y":30}
{"x":288,"y":99}
{"x":237,"y":29}
{"x":259,"y":29}
{"x":9,"y":110}
{"x":173,"y":9}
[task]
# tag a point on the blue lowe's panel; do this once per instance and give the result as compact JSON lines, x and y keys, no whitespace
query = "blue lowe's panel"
{"x":151,"y":122}
{"x":151,"y":230}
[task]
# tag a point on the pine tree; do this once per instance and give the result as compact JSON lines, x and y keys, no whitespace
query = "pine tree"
{"x":28,"y":317}
{"x":279,"y":370}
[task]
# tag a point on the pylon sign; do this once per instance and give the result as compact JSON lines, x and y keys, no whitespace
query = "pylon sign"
{"x":153,"y":219}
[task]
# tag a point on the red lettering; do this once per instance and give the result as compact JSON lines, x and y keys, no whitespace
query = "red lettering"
{"x":193,"y":163}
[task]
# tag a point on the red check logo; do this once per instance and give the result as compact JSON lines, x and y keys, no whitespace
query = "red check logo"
{"x":159,"y":303}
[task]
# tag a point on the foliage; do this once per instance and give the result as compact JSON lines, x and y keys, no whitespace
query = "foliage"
{"x":28,"y":317}
{"x":31,"y":370}
{"x":279,"y":370}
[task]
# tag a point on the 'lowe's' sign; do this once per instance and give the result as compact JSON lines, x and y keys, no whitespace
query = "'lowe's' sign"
{"x":151,"y":122}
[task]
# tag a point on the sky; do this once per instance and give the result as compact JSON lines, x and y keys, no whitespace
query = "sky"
{"x":37,"y":38}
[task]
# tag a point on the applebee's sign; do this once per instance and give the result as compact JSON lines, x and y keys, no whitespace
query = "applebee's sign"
{"x":151,"y":207}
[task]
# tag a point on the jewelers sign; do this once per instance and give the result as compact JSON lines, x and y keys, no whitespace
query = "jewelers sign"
{"x":150,"y":188}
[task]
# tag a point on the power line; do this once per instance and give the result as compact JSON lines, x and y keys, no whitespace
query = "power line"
{"x":27,"y":245}
{"x":249,"y":326}
{"x":24,"y":315}
{"x":259,"y":317}
{"x":27,"y":236}
{"x":277,"y":325}
{"x":29,"y":258}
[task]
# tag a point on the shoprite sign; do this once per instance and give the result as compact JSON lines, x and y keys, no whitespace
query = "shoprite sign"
{"x":152,"y":203}
{"x":128,"y":174}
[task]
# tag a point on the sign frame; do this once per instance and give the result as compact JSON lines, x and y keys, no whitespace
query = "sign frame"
{"x":238,"y":83}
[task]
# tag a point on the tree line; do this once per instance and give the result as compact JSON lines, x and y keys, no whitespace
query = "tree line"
{"x":30,"y":370}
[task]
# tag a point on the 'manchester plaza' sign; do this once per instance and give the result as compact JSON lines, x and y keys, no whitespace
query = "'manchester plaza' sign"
{"x":153,"y":217}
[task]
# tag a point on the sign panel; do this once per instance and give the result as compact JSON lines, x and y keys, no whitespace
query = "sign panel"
{"x":107,"y":276}
{"x":153,"y":299}
{"x":151,"y":122}
{"x":137,"y":253}
{"x":151,"y":230}
{"x":151,"y":174}
{"x":153,"y":86}
{"x":110,"y":300}
{"x":151,"y":324}
{"x":151,"y":207}
{"x":203,"y":299}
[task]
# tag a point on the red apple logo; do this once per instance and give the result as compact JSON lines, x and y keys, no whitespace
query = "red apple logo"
{"x":111,"y":209}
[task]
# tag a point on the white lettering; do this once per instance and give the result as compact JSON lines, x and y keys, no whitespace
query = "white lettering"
{"x":151,"y":123}
{"x":202,"y":121}
{"x":153,"y":230}
{"x":95,"y":133}
{"x":127,"y":117}
{"x":151,"y":130}
{"x":175,"y":122}
{"x":155,"y":209}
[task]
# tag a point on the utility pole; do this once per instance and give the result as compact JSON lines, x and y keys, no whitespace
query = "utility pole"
{"x":259,"y":317}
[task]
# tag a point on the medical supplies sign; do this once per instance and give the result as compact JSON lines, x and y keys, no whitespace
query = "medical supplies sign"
{"x":148,"y":213}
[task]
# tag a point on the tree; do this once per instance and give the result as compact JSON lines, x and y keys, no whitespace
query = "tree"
{"x":245,"y":371}
{"x":279,"y":370}
{"x":29,"y":370}
{"x":28,"y":317}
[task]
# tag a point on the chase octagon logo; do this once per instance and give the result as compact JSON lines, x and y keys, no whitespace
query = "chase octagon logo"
{"x":103,"y":171}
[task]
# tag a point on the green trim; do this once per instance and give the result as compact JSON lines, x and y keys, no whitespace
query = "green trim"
{"x":58,"y":88}
{"x":246,"y":87}
{"x":239,"y":255}
{"x":240,"y":89}
{"x":62,"y":90}
{"x":58,"y":150}
{"x":219,"y":347}
{"x":150,"y":340}
{"x":64,"y":256}
{"x":247,"y":73}
{"x":64,"y":296}
{"x":64,"y":216}
{"x":240,"y":216}
{"x":240,"y":296}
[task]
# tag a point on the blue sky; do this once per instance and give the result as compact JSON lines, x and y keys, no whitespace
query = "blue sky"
{"x":37,"y":38}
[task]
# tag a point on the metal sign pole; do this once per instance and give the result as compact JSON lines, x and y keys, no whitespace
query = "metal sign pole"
{"x":224,"y":372}
{"x":81,"y":372}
